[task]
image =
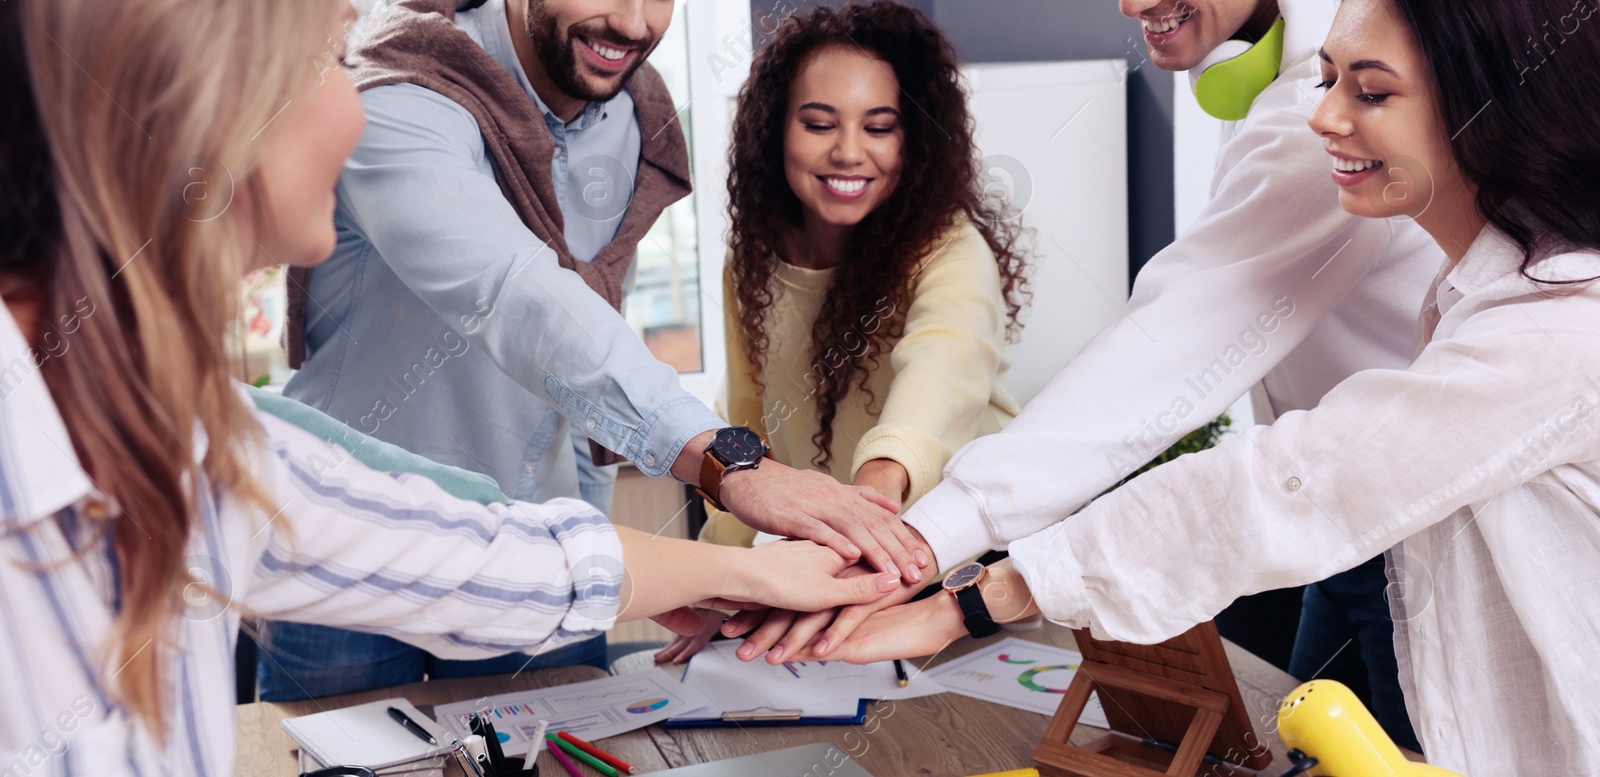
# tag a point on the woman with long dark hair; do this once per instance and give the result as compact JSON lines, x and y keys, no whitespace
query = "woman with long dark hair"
{"x":1478,"y":467}
{"x":861,"y":238}
{"x":870,"y":286}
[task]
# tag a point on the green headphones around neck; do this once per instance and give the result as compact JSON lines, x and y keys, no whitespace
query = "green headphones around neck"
{"x":1236,"y":73}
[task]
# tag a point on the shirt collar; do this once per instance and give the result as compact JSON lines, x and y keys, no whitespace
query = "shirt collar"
{"x":487,"y":24}
{"x":1494,"y":259}
{"x":39,"y":472}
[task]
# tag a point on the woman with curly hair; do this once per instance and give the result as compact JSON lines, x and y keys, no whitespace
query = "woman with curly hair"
{"x":870,"y":288}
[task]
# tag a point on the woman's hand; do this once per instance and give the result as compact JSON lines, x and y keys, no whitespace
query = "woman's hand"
{"x":887,"y":477}
{"x":683,"y":647}
{"x":804,"y":576}
{"x":660,"y":576}
{"x":780,"y":635}
{"x":917,"y":629}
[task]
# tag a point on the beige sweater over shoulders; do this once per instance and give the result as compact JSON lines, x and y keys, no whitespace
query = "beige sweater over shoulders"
{"x":941,"y":385}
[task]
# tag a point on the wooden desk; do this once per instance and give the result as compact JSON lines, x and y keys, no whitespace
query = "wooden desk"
{"x":939,"y":735}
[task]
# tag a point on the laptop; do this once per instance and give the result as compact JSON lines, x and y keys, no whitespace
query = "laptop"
{"x":819,"y":758}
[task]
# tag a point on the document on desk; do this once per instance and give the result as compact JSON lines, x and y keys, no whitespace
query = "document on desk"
{"x":1018,"y":673}
{"x":593,"y":710}
{"x":735,"y":686}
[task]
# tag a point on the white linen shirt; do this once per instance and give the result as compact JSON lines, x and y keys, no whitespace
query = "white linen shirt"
{"x":1482,"y":458}
{"x":350,"y":547}
{"x":1273,"y":283}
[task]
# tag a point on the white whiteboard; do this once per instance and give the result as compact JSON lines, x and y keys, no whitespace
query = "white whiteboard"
{"x":1054,"y":138}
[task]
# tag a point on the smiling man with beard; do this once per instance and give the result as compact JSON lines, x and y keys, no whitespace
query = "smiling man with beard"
{"x":516,"y":152}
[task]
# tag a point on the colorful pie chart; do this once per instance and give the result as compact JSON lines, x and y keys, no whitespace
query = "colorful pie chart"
{"x":648,"y":705}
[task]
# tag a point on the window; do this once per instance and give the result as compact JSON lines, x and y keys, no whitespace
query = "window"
{"x":664,"y":304}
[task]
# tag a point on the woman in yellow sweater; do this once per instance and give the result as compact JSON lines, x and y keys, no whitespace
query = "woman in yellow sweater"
{"x":870,"y":286}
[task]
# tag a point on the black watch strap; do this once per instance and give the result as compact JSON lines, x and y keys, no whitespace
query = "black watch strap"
{"x":975,"y":614}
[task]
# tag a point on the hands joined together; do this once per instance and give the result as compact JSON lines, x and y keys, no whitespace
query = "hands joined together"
{"x":800,"y":627}
{"x":864,"y":537}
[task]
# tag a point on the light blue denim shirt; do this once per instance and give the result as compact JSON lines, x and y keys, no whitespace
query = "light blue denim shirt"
{"x":443,"y":325}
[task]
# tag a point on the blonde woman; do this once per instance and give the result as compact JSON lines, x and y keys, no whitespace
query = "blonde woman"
{"x":154,"y":151}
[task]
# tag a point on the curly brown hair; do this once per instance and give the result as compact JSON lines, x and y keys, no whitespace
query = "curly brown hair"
{"x":940,"y":183}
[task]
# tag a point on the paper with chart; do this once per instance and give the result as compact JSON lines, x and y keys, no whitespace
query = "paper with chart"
{"x":595,"y":709}
{"x":1018,"y":673}
{"x":738,"y":686}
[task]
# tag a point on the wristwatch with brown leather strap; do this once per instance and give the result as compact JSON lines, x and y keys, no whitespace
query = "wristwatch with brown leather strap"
{"x":731,"y":450}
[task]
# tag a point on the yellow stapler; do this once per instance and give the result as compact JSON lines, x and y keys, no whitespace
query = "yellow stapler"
{"x":1329,"y":733}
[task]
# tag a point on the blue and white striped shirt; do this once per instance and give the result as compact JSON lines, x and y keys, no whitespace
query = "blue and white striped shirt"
{"x":349,"y":547}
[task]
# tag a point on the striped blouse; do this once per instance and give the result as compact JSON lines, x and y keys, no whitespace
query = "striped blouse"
{"x":349,"y":546}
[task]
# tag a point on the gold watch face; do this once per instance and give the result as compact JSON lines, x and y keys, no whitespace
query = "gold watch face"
{"x":963,"y":576}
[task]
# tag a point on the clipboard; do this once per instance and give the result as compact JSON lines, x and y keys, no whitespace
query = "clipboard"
{"x":766,"y":717}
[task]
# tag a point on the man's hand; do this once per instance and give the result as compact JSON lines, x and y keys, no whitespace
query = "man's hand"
{"x":856,"y":521}
{"x":917,"y":629}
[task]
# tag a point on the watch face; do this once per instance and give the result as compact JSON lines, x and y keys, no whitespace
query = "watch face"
{"x":737,"y":446}
{"x":963,"y":576}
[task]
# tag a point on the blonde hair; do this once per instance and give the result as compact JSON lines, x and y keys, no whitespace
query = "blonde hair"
{"x":143,"y":101}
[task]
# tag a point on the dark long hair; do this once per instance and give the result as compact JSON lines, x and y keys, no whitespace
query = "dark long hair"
{"x":1518,"y":84}
{"x":863,"y":313}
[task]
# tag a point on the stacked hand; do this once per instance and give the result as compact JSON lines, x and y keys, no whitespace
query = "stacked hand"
{"x":881,"y":629}
{"x":788,"y":575}
{"x":781,"y":634}
{"x":916,"y":629}
{"x":856,"y":521}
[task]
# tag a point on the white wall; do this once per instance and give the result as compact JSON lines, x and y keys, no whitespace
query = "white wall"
{"x":1054,"y":137}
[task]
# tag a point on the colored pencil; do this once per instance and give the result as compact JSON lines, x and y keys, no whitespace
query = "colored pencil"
{"x":561,"y":758}
{"x":621,"y":765}
{"x":572,"y":750}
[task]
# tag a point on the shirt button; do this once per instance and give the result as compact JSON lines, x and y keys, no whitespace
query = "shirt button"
{"x":589,"y":424}
{"x":96,"y":510}
{"x":1293,"y":484}
{"x":649,"y":461}
{"x":528,"y":468}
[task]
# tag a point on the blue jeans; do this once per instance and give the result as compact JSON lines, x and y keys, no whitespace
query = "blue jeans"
{"x":1346,"y":635}
{"x":596,"y":485}
{"x":301,"y":661}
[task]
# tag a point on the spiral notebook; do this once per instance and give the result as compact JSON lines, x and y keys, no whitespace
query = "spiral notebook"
{"x":365,"y":735}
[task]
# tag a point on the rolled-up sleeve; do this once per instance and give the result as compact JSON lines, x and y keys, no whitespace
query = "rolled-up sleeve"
{"x":393,"y":554}
{"x":944,"y":364}
{"x":416,"y":189}
{"x":1387,"y":453}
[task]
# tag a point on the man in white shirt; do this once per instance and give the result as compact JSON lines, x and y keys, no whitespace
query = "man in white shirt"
{"x":1274,"y":284}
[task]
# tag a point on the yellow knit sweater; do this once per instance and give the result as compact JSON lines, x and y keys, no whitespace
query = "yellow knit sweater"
{"x":941,"y":386}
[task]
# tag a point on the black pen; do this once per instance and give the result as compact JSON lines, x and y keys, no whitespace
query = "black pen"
{"x":411,"y":725}
{"x":900,"y":673}
{"x":481,"y":726}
